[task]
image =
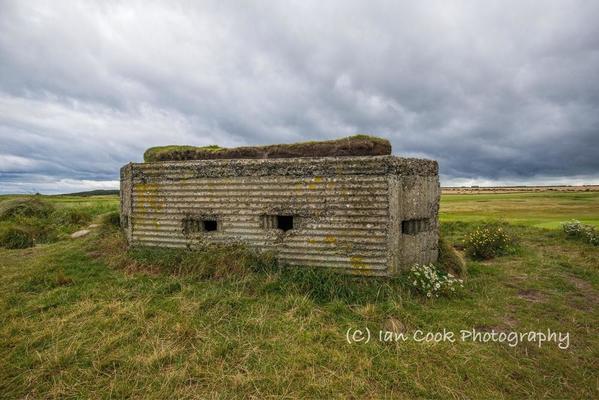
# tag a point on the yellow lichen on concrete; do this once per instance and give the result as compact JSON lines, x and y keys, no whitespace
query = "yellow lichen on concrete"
{"x":330,"y":239}
{"x":357,"y":262}
{"x":313,"y":183}
{"x":148,"y":196}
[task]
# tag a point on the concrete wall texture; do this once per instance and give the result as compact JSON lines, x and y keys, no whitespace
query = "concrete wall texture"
{"x":365,"y":215}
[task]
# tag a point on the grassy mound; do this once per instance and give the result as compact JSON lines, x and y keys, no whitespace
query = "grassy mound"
{"x":25,"y":207}
{"x":72,"y":217}
{"x":16,"y":237}
{"x":358,"y":145}
{"x":32,"y":220}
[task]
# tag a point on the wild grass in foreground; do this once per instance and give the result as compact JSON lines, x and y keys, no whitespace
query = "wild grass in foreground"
{"x":88,"y":319}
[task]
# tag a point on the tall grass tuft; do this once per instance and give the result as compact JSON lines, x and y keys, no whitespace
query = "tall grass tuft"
{"x":71,"y":217}
{"x":207,"y":262}
{"x":323,"y":285}
{"x":450,"y":260}
{"x":211,"y":261}
{"x":112,"y":219}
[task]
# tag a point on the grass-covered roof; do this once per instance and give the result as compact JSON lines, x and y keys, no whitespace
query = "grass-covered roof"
{"x":358,"y":145}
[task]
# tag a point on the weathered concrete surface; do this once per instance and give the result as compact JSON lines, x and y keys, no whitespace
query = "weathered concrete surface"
{"x":348,"y":212}
{"x":359,"y":145}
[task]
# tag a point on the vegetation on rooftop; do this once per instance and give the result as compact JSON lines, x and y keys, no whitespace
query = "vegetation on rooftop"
{"x":352,"y":145}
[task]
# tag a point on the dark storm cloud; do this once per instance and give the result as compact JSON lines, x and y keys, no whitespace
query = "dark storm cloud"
{"x":496,"y":91}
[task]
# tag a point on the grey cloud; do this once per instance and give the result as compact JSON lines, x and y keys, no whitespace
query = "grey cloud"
{"x":496,"y":92}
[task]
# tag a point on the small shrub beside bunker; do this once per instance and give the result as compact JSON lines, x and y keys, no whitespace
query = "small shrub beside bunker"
{"x":489,"y":240}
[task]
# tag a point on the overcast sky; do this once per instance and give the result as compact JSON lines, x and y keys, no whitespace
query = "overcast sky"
{"x":498,"y":92}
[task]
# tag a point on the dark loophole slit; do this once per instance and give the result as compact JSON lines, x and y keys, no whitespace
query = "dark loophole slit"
{"x":285,"y":222}
{"x":196,"y":225}
{"x":415,"y":226}
{"x":210,"y":225}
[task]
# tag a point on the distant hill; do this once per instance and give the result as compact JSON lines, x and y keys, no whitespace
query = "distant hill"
{"x":93,"y":193}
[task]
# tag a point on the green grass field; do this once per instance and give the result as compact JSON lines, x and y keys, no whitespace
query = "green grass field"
{"x":98,"y":204}
{"x":541,"y":210}
{"x":76,"y":325}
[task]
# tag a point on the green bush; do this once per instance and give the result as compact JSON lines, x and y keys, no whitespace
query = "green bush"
{"x":489,"y":240}
{"x":449,"y":259}
{"x":578,"y":230}
{"x":26,"y":207}
{"x":16,"y":237}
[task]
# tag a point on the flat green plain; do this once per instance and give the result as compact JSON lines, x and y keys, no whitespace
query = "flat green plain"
{"x":541,"y":210}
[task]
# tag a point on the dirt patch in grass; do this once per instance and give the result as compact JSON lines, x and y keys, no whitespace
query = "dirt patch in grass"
{"x":394,"y":325}
{"x":511,"y":321}
{"x":515,"y":280}
{"x":531,"y":295}
{"x":507,"y":324}
{"x":586,"y":298}
{"x":580,"y":284}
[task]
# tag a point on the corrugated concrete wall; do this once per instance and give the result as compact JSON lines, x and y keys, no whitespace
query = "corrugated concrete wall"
{"x":348,"y":212}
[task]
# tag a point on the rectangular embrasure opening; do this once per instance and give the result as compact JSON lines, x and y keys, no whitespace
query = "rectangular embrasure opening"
{"x":415,"y":226}
{"x":210,"y":225}
{"x":279,"y":221}
{"x":195,"y":225}
{"x":284,"y":222}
